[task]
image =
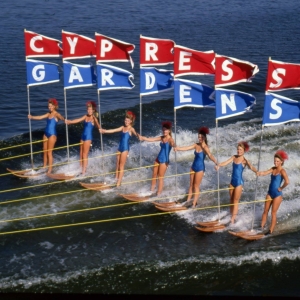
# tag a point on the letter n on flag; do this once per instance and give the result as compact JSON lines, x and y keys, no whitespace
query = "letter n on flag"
{"x":77,"y":46}
{"x":231,"y":71}
{"x":154,"y":80}
{"x":155,"y":51}
{"x":282,"y":76}
{"x":110,"y":50}
{"x":111,"y":78}
{"x":193,"y":94}
{"x":230,"y":103}
{"x":78,"y":75}
{"x":191,"y":62}
{"x":41,"y":72}
{"x":279,"y":110}
{"x":37,"y":45}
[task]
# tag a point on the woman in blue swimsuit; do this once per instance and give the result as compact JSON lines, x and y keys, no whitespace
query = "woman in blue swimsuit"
{"x":198,"y":167}
{"x":162,"y":161}
{"x":126,"y":132}
{"x":239,"y":162}
{"x":90,"y":121}
{"x":274,"y":195}
{"x":50,"y":134}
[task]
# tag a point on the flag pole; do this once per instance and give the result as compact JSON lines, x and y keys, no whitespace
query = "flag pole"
{"x":175,"y":135}
{"x":101,"y":138}
{"x":218,"y":172}
{"x":140,"y":129}
{"x":66,"y":117}
{"x":30,"y":133}
{"x":258,"y":165}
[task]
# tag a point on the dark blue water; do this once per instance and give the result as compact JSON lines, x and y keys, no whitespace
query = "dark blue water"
{"x":155,"y":254}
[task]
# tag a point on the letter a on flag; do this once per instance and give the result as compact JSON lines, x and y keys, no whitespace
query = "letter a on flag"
{"x":37,"y":45}
{"x":231,"y":71}
{"x":109,"y":49}
{"x":156,"y":51}
{"x":279,"y":110}
{"x":77,"y":46}
{"x":230,"y":103}
{"x":111,"y":78}
{"x":155,"y":80}
{"x":193,"y":94}
{"x":78,"y":75}
{"x":41,"y":72}
{"x":282,"y":76}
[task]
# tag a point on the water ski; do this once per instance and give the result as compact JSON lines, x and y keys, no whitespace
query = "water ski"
{"x":209,"y":224}
{"x":135,"y":197}
{"x":61,"y":176}
{"x":99,"y":186}
{"x":23,"y":173}
{"x":176,"y":207}
{"x":248,"y":235}
{"x":165,"y":204}
{"x":211,"y":228}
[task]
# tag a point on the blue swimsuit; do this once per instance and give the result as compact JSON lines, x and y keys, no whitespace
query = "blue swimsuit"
{"x":124,"y":142}
{"x":50,"y":127}
{"x":236,"y":177}
{"x":274,"y":185}
{"x":87,"y":131}
{"x":163,"y":155}
{"x":198,"y":163}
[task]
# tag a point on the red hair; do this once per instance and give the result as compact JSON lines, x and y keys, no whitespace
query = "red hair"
{"x":91,"y":103}
{"x":167,"y":124}
{"x":282,"y":155}
{"x":203,"y":130}
{"x":130,"y":115}
{"x":244,"y":145}
{"x":53,"y":101}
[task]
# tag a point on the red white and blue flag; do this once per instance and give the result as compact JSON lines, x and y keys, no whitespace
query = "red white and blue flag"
{"x":192,"y":94}
{"x":77,"y":46}
{"x":192,"y":62}
{"x":282,"y":76}
{"x":155,"y":51}
{"x":111,"y":78}
{"x":230,"y":103}
{"x":112,"y":50}
{"x":41,"y":72}
{"x":37,"y":45}
{"x":231,"y":71}
{"x":279,"y":110}
{"x":78,"y":75}
{"x":154,"y":80}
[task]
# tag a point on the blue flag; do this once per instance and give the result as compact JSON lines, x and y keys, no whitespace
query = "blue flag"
{"x":41,"y":72}
{"x":194,"y":94}
{"x":230,"y":103}
{"x":155,"y":80}
{"x":78,"y":75}
{"x":111,"y":78}
{"x":280,"y":110}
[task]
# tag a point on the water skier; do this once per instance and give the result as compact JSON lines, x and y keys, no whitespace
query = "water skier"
{"x":50,"y":135}
{"x":90,"y":121}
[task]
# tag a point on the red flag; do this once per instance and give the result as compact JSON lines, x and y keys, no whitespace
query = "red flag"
{"x":37,"y":45}
{"x":282,"y":76}
{"x":109,"y":49}
{"x":231,"y":70}
{"x":156,"y":51}
{"x":77,"y":46}
{"x":188,"y":62}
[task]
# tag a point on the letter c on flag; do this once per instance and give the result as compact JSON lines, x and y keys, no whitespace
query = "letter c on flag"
{"x":277,"y":108}
{"x":38,"y":73}
{"x":32,"y":44}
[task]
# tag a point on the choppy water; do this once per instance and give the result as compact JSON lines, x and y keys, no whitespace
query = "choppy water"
{"x":157,"y":254}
